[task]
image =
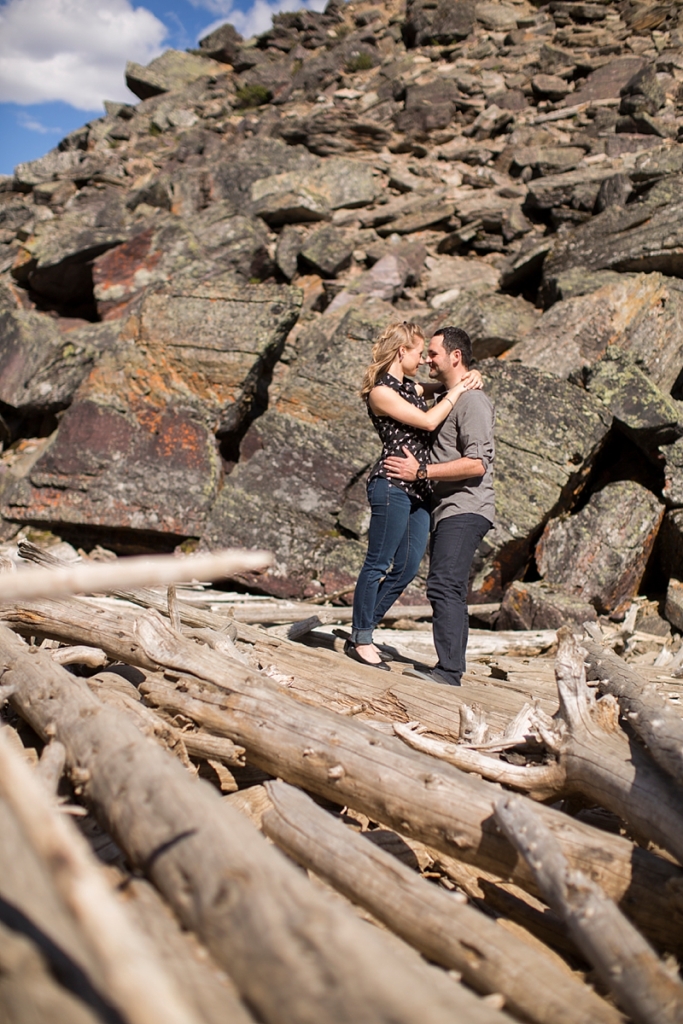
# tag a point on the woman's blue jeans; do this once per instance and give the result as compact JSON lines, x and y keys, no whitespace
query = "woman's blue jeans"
{"x":399,"y":529}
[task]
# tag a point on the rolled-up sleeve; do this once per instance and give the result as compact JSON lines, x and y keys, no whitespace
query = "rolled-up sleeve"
{"x":476,"y":429}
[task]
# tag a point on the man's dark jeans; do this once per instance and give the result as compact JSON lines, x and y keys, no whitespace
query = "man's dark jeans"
{"x":452,"y":547}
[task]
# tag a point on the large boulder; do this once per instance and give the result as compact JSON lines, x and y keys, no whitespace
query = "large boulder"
{"x":640,"y":409}
{"x":540,"y":606}
{"x":56,"y":261}
{"x":138,"y":450}
{"x":223,"y":44}
{"x":547,"y":434}
{"x":641,"y":314}
{"x":606,"y":82}
{"x":40,"y":366}
{"x":173,"y":70}
{"x":494,"y":322}
{"x":296,"y":487}
{"x":601,"y":553}
{"x":642,"y":236}
{"x":338,"y":182}
{"x":447,"y":277}
{"x":442,"y":23}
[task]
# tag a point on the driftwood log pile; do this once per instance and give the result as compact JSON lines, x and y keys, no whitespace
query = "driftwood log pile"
{"x":510,"y":849}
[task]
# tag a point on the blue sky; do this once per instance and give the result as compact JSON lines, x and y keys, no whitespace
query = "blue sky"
{"x":60,"y":59}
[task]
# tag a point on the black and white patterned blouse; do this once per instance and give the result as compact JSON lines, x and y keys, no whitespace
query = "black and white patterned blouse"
{"x":394,"y":435}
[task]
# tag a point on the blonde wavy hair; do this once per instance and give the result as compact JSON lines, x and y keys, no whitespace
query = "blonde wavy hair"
{"x":397,"y":335}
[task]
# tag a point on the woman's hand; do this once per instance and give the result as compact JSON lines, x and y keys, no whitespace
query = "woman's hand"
{"x":472,"y":381}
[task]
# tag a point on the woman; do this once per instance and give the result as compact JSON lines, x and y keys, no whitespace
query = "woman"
{"x":399,"y":521}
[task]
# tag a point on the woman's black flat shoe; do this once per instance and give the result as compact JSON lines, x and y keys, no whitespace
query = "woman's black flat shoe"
{"x":351,"y":652}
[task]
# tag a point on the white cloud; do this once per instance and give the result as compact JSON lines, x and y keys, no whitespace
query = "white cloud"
{"x":73,"y":50}
{"x":31,"y":124}
{"x":258,"y":18}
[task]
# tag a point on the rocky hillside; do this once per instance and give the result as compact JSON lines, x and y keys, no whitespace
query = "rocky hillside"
{"x":190,"y":287}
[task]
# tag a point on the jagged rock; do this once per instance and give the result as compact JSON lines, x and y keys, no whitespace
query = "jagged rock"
{"x":169,"y":72}
{"x":641,"y":314}
{"x":299,"y":460}
{"x":550,"y":87}
{"x":327,"y":251}
{"x":548,"y":160}
{"x":339,"y":183}
{"x":232,"y":179}
{"x":137,"y":450}
{"x":606,"y":82}
{"x":428,"y":107}
{"x":562,"y":10}
{"x":577,"y":281}
{"x":53,"y":193}
{"x":40,"y":366}
{"x":640,"y":409}
{"x":148,"y":258}
{"x":642,"y":93}
{"x":329,"y":133}
{"x":73,"y":165}
{"x":643,"y":236}
{"x":491,"y":121}
{"x":542,"y":462}
{"x":673,"y":608}
{"x":289,"y":245}
{"x":223,"y":44}
{"x":526,"y":263}
{"x":430,"y":213}
{"x":572,"y":188}
{"x":601,"y":552}
{"x":296,"y":205}
{"x":614,"y":191}
{"x":494,"y":322}
{"x":497,"y":17}
{"x":385,"y":281}
{"x":539,"y":606}
{"x":672,"y":491}
{"x":14,"y":212}
{"x":55,"y":262}
{"x":657,"y":164}
{"x":448,"y":276}
{"x":441,"y":24}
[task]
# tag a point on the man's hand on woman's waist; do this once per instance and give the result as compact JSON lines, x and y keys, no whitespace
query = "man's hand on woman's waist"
{"x":407,"y":468}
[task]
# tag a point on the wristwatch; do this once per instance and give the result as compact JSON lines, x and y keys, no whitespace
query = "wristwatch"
{"x":421,"y":473}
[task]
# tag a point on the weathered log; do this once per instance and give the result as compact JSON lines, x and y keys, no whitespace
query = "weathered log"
{"x":594,"y":757}
{"x":51,"y":765}
{"x":645,"y":989}
{"x":133,"y":978}
{"x":29,"y":990}
{"x":128,"y":572}
{"x":180,"y":742}
{"x":90,"y":656}
{"x":293,"y":954}
{"x":322,"y":678}
{"x":445,"y":931}
{"x":351,"y":763}
{"x":205,"y":987}
{"x":659,"y":725}
{"x":541,"y":782}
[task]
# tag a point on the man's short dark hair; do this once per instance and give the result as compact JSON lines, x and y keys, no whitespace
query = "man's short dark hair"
{"x":455,"y":338}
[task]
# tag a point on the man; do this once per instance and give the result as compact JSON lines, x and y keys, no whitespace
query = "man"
{"x":461,"y":469}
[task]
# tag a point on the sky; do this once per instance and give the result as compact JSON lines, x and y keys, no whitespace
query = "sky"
{"x":60,"y":59}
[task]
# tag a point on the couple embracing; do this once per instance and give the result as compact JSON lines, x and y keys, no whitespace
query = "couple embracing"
{"x":436,"y":464}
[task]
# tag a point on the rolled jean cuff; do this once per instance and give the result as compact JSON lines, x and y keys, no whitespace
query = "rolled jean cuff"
{"x":361,"y":636}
